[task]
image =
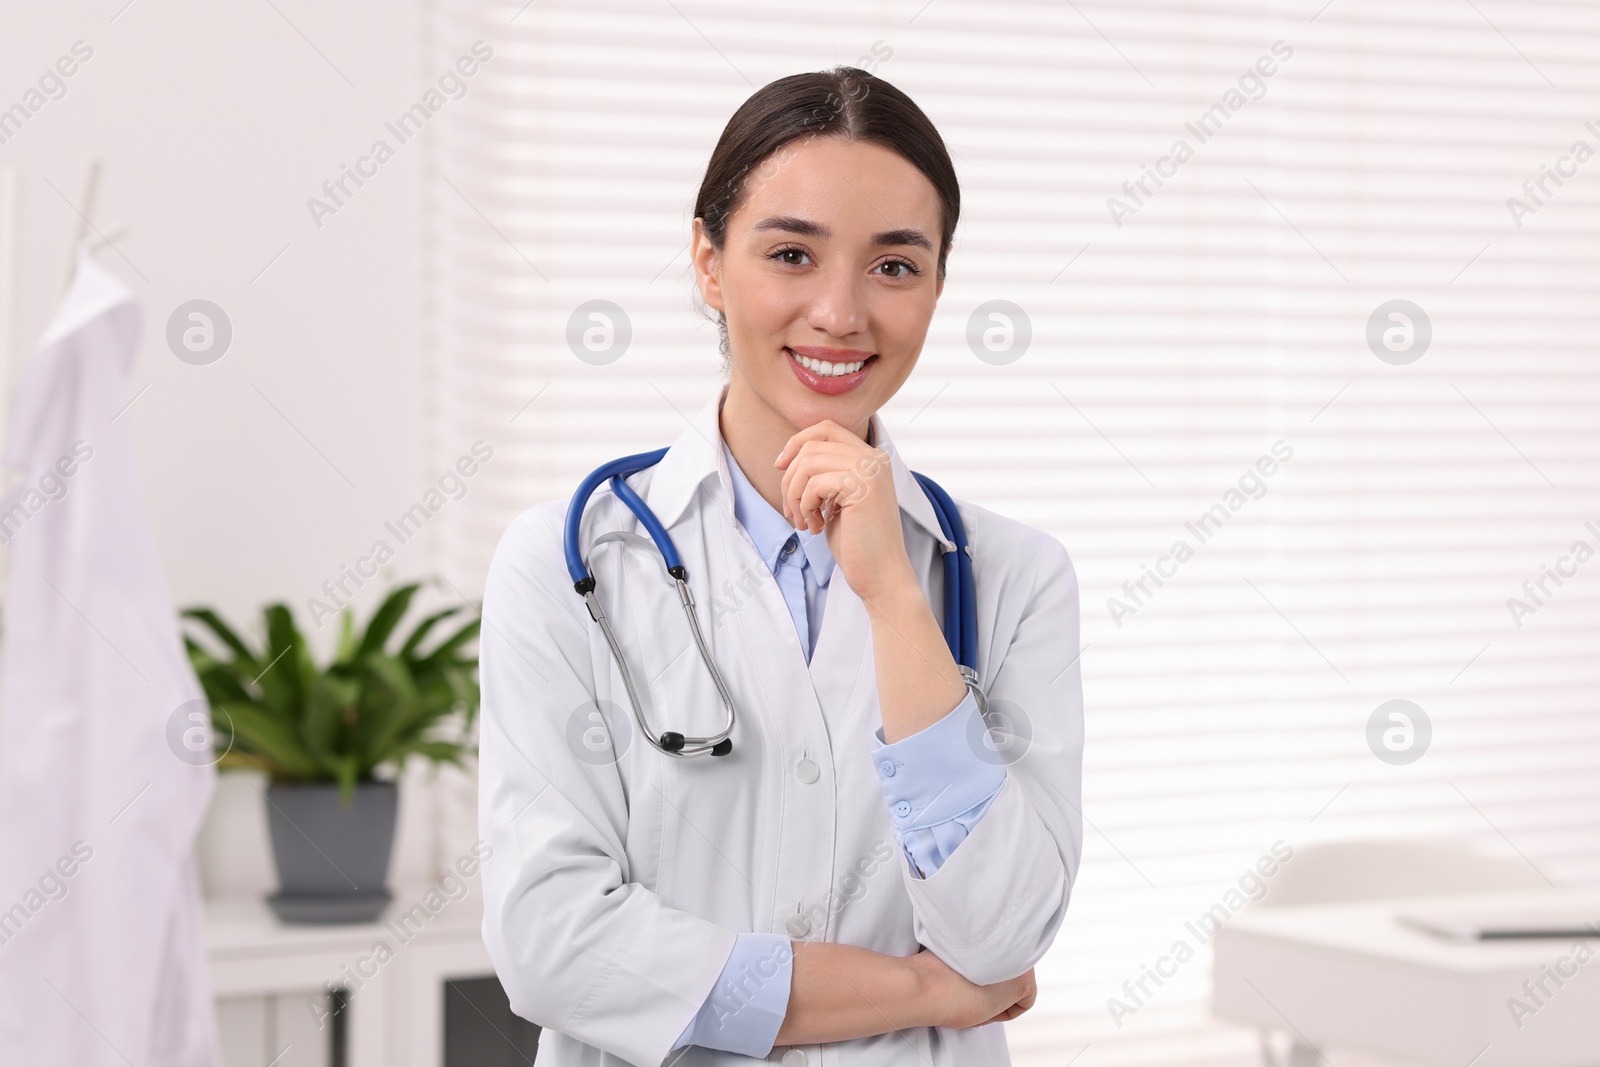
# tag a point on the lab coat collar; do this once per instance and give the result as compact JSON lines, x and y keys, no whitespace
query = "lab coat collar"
{"x":697,"y":454}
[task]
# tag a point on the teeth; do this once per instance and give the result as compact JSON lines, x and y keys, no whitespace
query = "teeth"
{"x":827,"y":369}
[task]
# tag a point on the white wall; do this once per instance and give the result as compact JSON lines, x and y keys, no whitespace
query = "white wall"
{"x":216,"y":123}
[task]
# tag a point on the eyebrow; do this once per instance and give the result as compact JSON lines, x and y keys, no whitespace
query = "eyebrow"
{"x":806,"y":228}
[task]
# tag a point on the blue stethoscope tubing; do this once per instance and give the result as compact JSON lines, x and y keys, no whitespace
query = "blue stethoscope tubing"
{"x":960,"y":598}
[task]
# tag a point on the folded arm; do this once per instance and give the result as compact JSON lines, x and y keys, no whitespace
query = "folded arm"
{"x":999,"y":893}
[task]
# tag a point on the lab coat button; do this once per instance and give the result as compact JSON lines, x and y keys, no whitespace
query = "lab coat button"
{"x":797,"y":925}
{"x":795,"y":1057}
{"x":902,"y":809}
{"x":887,"y":768}
{"x":807,"y":770}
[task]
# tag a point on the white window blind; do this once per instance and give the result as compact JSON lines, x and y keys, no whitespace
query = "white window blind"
{"x":1179,"y":335}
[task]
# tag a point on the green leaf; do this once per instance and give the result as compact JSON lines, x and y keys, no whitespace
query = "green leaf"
{"x":288,"y":661}
{"x":395,"y":678}
{"x":366,"y":709}
{"x":222,"y":631}
{"x":260,"y":732}
{"x":392,"y":705}
{"x":422,"y":630}
{"x":437,"y":751}
{"x":346,"y":648}
{"x":221,"y":682}
{"x":323,"y":715}
{"x":347,"y":776}
{"x":386,"y":618}
{"x":442,"y":655}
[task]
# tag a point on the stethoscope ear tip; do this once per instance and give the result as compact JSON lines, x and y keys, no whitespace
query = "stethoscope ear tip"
{"x":723,"y":747}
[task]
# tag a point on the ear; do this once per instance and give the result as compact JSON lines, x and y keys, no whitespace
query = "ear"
{"x":707,"y":266}
{"x":938,"y":289}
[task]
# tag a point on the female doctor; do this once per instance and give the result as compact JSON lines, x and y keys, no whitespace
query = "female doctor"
{"x":870,"y":874}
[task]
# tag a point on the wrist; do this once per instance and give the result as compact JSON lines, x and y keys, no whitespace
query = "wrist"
{"x":929,"y":991}
{"x":895,"y":591}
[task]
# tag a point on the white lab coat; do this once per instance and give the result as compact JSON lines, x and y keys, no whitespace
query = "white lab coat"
{"x":616,"y":886}
{"x":104,"y":961}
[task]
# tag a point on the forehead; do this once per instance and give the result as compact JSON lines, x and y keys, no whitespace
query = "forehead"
{"x":851,"y":187}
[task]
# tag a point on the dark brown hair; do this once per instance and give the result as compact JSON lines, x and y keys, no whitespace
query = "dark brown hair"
{"x":845,"y":102}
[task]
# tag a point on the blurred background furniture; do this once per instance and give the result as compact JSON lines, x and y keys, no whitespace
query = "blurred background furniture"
{"x":432,"y":1002}
{"x":323,"y":996}
{"x":1323,"y":959}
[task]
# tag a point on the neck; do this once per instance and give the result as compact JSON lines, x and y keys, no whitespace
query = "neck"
{"x":756,"y":432}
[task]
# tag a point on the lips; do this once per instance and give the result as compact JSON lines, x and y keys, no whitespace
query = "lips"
{"x":820,"y":376}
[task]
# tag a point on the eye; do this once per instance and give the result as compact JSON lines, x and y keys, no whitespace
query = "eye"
{"x":898,"y":268}
{"x":794,"y":257}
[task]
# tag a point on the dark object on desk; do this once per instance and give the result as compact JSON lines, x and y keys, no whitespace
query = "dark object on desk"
{"x":339,"y":1032}
{"x":481,"y":1030}
{"x":1468,"y":924}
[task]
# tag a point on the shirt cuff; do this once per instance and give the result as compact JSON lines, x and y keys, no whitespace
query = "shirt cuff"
{"x":936,"y":784}
{"x":748,"y":1002}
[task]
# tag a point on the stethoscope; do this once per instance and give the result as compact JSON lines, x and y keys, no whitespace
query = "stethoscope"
{"x":960,"y":599}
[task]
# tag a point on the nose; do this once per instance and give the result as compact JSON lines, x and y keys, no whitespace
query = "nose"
{"x":837,"y":308}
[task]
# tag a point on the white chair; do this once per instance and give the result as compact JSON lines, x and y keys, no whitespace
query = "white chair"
{"x":1336,"y":871}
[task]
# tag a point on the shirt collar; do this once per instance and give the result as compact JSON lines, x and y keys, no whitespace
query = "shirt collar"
{"x":770,"y":530}
{"x":699,"y":453}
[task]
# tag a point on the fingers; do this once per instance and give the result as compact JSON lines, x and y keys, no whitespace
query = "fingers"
{"x":826,"y":430}
{"x":1027,"y":1002}
{"x":819,"y":475}
{"x":1009,"y":1014}
{"x":813,"y":458}
{"x":840,"y":469}
{"x":818,"y":492}
{"x":825,"y":438}
{"x":1023,"y":990}
{"x":1030,"y":993}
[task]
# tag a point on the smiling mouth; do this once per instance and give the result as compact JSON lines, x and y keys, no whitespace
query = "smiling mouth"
{"x":830,"y":377}
{"x":829,"y":368}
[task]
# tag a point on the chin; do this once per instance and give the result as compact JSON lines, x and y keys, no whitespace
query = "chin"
{"x":808,"y":409}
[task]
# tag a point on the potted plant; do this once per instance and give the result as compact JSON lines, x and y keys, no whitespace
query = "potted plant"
{"x":321,"y":732}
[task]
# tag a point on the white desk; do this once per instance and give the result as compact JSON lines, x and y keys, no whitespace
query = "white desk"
{"x":396,"y":1012}
{"x":1351,"y":976}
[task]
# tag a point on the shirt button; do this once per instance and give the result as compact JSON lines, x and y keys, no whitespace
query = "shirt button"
{"x":797,"y":925}
{"x":902,"y":809}
{"x":795,"y":1057}
{"x":886,"y":768}
{"x":806,"y":770}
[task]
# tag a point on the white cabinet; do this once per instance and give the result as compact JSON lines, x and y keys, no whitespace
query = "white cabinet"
{"x":258,"y":1031}
{"x":270,"y":978}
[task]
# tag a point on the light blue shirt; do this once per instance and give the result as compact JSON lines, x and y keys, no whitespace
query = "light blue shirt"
{"x":934,"y":783}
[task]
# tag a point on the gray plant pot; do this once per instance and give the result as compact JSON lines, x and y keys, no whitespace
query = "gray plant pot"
{"x":333,"y":858}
